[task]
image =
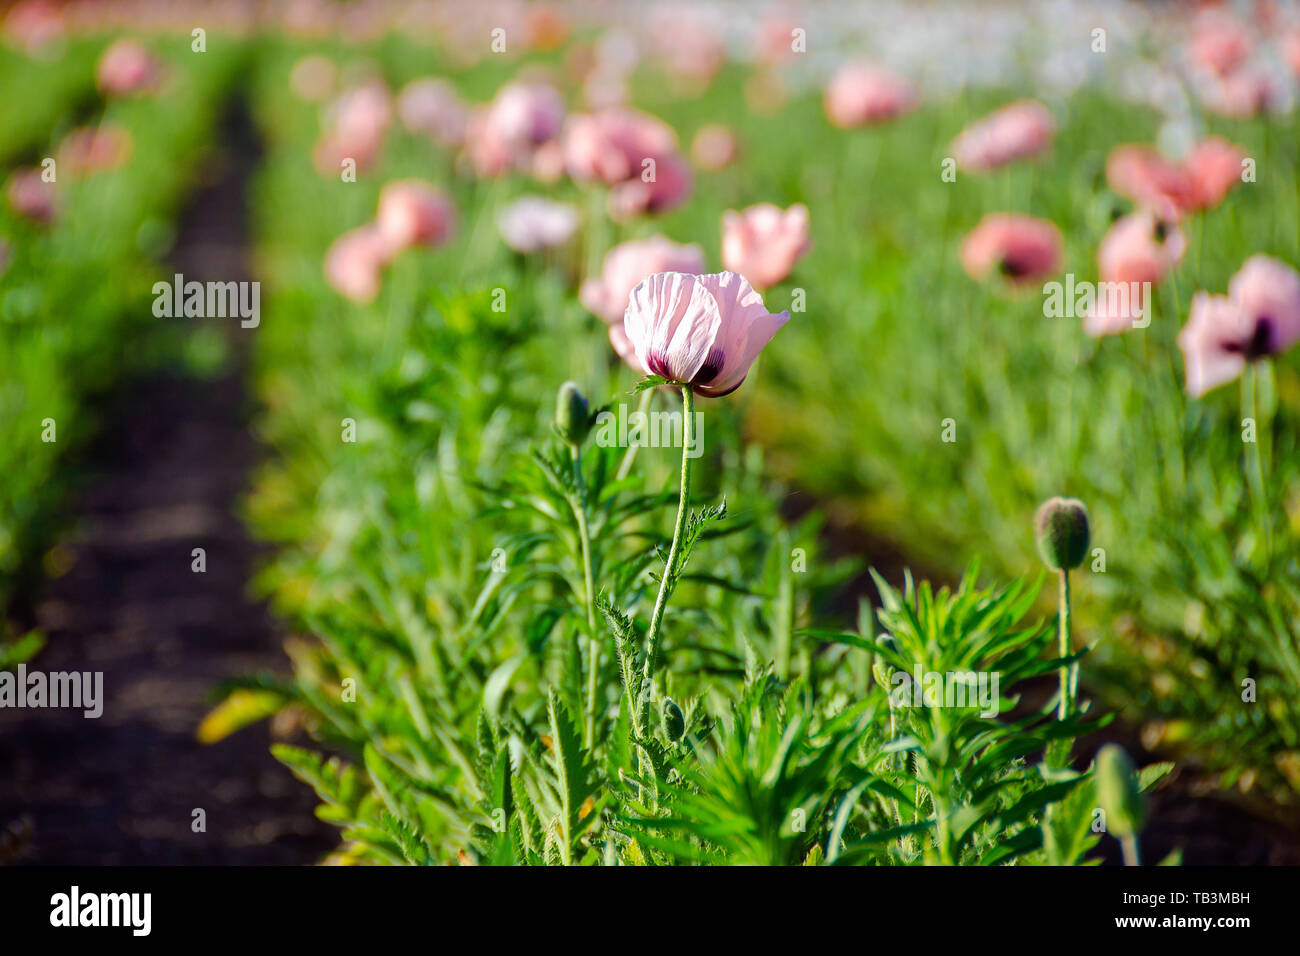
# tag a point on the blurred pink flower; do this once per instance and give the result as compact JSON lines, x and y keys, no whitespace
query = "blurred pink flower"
{"x":690,"y":49}
{"x":412,"y":212}
{"x":532,"y":223}
{"x":763,"y":242}
{"x":34,"y":25}
{"x":664,"y":186}
{"x":1241,"y":94}
{"x":126,"y":68}
{"x":313,"y":78}
{"x":521,"y":117}
{"x":31,"y":197}
{"x":612,"y":145}
{"x":627,"y":264}
{"x":1139,"y":248}
{"x":702,"y":330}
{"x":863,"y":93}
{"x":354,"y":263}
{"x":1268,"y":294}
{"x":1021,"y":248}
{"x":1213,"y":167}
{"x":358,"y":121}
{"x":1259,"y":317}
{"x":1219,"y":42}
{"x":1016,"y":131}
{"x":1144,"y":175}
{"x":431,"y":106}
{"x":714,"y":147}
{"x":1210,"y":342}
{"x":94,"y":149}
{"x":1173,"y":190}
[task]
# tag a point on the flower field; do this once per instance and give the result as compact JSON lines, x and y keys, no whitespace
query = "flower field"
{"x":729,"y":434}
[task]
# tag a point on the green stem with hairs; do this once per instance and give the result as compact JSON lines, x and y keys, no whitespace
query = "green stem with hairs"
{"x":1069,"y":672}
{"x":1255,"y":470}
{"x":654,"y":637}
{"x":578,"y":503}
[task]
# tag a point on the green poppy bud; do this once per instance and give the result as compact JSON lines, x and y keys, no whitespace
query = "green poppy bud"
{"x":674,"y":720}
{"x":1117,"y":792}
{"x":1061,"y":526}
{"x":572,"y":417}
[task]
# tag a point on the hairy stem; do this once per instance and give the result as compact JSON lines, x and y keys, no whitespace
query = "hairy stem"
{"x":1069,"y":672}
{"x":654,"y":638}
{"x":1255,"y":472}
{"x":578,"y":502}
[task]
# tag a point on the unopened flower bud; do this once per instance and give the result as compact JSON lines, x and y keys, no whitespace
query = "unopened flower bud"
{"x":572,"y":417}
{"x":1061,"y":526}
{"x":1117,"y":792}
{"x":674,"y":720}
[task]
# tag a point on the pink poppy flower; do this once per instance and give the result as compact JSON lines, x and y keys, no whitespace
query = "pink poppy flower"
{"x":1021,"y":248}
{"x":1138,"y":249}
{"x":764,"y":242}
{"x":660,"y":188}
{"x":126,"y":68}
{"x":412,"y":212}
{"x":627,"y":264}
{"x":313,"y":78}
{"x":714,"y":147}
{"x":1211,"y":343}
{"x":863,"y":93}
{"x":1268,"y":293}
{"x":34,"y":25}
{"x":701,"y":330}
{"x":531,"y":224}
{"x":611,"y":146}
{"x":1259,"y":317}
{"x":431,"y":106}
{"x":1142,"y":174}
{"x":1016,"y":131}
{"x":1219,"y":42}
{"x":520,"y":118}
{"x":354,"y":263}
{"x":359,"y":120}
{"x":1213,"y":167}
{"x":94,"y":149}
{"x":31,"y":197}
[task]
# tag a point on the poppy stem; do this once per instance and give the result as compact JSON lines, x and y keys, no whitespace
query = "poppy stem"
{"x":579,"y":504}
{"x":1069,"y":672}
{"x":654,"y":637}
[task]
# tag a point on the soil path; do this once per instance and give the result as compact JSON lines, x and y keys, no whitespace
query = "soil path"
{"x":166,"y":476}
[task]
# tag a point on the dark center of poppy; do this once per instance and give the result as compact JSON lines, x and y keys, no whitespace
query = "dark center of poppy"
{"x":1012,"y":269}
{"x":1258,"y":344}
{"x":710,"y":369}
